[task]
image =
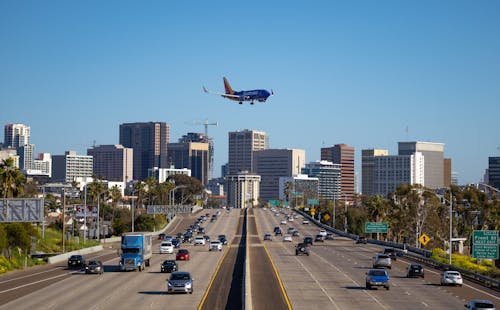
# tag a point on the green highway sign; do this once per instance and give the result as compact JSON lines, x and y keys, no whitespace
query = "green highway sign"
{"x":376,"y":227}
{"x":274,"y":203}
{"x":313,"y":202}
{"x":485,"y":244}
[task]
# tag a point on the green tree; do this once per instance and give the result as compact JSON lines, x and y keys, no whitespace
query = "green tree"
{"x":144,"y":223}
{"x":17,"y":237}
{"x":12,"y":180}
{"x":192,"y":188}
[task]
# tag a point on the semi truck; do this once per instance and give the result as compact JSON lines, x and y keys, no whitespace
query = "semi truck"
{"x":136,"y":250}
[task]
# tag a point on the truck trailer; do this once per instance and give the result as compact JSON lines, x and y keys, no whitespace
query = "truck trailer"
{"x":136,"y":250}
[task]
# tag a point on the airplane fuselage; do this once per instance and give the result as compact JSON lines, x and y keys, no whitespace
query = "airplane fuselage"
{"x":260,"y":95}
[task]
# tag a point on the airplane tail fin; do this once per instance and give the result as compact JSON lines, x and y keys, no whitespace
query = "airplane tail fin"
{"x":228,"y":88}
{"x":205,"y":89}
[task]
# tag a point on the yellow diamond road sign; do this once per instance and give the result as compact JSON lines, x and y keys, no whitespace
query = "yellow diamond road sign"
{"x":424,"y":239}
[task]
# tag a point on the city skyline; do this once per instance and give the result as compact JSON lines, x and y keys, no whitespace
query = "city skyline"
{"x":365,"y":74}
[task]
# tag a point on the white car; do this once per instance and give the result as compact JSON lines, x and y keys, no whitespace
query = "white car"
{"x":290,"y":219}
{"x":451,"y":278}
{"x":305,"y":222}
{"x":215,"y":245}
{"x":287,"y":238}
{"x":166,"y":247}
{"x":283,"y":222}
{"x":199,"y":240}
{"x":322,"y":232}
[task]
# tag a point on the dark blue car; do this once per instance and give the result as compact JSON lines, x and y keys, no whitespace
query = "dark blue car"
{"x":377,"y":277}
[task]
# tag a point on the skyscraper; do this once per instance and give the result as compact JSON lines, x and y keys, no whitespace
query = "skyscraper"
{"x":112,"y":162}
{"x":67,"y":167}
{"x":328,"y":175}
{"x":202,"y":138}
{"x":494,"y":172}
{"x":242,"y":144}
{"x":434,"y":161}
{"x":393,"y":170}
{"x":17,"y":136}
{"x":271,"y":164}
{"x":344,"y":155}
{"x":190,"y":155}
{"x":368,"y":169}
{"x":242,"y":190}
{"x":149,"y":142}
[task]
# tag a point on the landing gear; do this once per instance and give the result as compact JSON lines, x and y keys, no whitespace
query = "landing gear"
{"x":241,"y":102}
{"x":251,"y":102}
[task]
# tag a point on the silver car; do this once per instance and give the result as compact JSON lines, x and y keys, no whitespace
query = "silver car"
{"x":180,"y":281}
{"x":382,"y":261}
{"x":480,"y":304}
{"x":451,"y":277}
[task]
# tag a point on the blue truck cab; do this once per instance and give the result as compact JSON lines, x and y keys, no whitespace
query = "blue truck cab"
{"x":136,"y":250}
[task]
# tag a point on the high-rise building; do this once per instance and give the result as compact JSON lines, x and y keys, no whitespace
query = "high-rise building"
{"x":112,"y":162}
{"x":328,"y":175}
{"x":393,"y":170}
{"x":368,"y":169}
{"x":434,"y":161}
{"x":149,"y":142}
{"x":242,"y":145}
{"x":344,"y":155}
{"x":10,"y":153}
{"x":162,"y":174}
{"x":202,"y":138}
{"x":190,"y":155}
{"x":494,"y":172}
{"x":43,"y":163}
{"x":447,"y":173}
{"x":242,"y":190}
{"x":68,"y":167}
{"x":271,"y":164}
{"x":299,"y":187}
{"x":17,"y":136}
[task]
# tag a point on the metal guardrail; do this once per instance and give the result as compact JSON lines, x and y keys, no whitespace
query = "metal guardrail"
{"x":413,"y":253}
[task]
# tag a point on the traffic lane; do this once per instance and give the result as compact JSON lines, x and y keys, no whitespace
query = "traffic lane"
{"x":266,"y":291}
{"x":219,"y":289}
{"x":125,"y":289}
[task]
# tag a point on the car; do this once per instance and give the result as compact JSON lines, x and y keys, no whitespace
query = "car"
{"x":290,"y":230}
{"x":290,"y":219}
{"x":302,"y":249}
{"x":305,"y":222}
{"x":391,"y":252}
{"x":199,"y":240}
{"x":166,"y":247}
{"x":201,"y":230}
{"x":377,"y":277}
{"x":207,"y":238}
{"x":278,"y":232}
{"x":308,"y":240}
{"x":362,"y":240}
{"x":180,"y":281}
{"x":382,"y":261}
{"x":451,"y":277}
{"x":268,"y":237}
{"x":322,"y":232}
{"x":329,"y":236}
{"x":480,"y":304}
{"x":161,"y":236}
{"x":76,"y":261}
{"x":169,"y":265}
{"x":295,"y":233}
{"x":176,"y":243}
{"x":283,"y":222}
{"x":287,"y":238}
{"x":168,"y":238}
{"x":182,"y":254}
{"x":319,"y":238}
{"x":94,"y":266}
{"x":222,"y":239}
{"x":415,"y":270}
{"x":215,"y":245}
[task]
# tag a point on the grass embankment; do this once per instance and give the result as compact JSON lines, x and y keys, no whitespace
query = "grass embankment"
{"x":485,"y":267}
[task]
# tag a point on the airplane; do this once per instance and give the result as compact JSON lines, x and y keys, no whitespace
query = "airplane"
{"x":260,"y":95}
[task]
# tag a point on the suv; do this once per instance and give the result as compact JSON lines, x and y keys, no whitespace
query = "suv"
{"x":199,"y":240}
{"x":382,"y":261}
{"x":166,"y":247}
{"x":377,"y":277}
{"x":268,"y":237}
{"x":415,"y":270}
{"x":308,"y":240}
{"x":361,"y":239}
{"x":76,"y":261}
{"x":302,"y":248}
{"x":180,"y":281}
{"x":215,"y":245}
{"x":391,"y":252}
{"x":222,"y":239}
{"x":278,"y":232}
{"x":169,"y":266}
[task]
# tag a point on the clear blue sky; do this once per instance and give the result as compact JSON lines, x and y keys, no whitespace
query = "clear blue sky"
{"x":354,"y":72}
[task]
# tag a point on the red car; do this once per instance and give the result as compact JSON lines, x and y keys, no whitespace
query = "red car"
{"x":182,"y":254}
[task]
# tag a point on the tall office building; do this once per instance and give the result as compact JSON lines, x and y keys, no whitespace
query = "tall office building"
{"x":271,"y":164}
{"x":242,"y":190}
{"x":328,"y":175}
{"x":434,"y":161}
{"x":202,"y":138}
{"x":303,"y":187}
{"x":190,"y":155}
{"x":112,"y":162}
{"x":393,"y":170}
{"x":10,"y":153}
{"x":43,"y":163}
{"x":344,"y":155}
{"x":162,"y":174}
{"x":447,"y":173}
{"x":17,"y":136}
{"x":149,"y":142}
{"x":68,"y":167}
{"x":242,"y":145}
{"x":368,"y":169}
{"x":494,"y":172}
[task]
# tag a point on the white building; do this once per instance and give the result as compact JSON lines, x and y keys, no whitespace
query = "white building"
{"x":68,"y":167}
{"x":162,"y":174}
{"x":329,"y":176}
{"x":243,"y":190}
{"x":300,"y":185}
{"x":393,"y":170}
{"x":43,"y":163}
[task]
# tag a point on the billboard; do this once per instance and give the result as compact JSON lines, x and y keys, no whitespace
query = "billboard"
{"x":90,"y":212}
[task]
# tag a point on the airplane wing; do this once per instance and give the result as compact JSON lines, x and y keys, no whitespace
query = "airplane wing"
{"x":223,"y":95}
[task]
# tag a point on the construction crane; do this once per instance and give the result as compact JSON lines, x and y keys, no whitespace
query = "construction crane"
{"x":206,"y":124}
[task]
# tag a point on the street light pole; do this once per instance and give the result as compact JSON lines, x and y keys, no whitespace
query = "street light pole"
{"x":63,"y":217}
{"x":451,"y":221}
{"x":133,"y":207}
{"x":345,"y":217}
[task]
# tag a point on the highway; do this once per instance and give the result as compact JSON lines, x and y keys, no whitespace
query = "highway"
{"x":333,"y":276}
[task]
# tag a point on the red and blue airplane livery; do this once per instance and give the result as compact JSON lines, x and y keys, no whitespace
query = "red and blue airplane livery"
{"x":260,"y":95}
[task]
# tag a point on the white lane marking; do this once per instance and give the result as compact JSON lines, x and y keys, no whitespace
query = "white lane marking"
{"x":426,"y":305}
{"x":28,"y":284}
{"x":31,"y":275}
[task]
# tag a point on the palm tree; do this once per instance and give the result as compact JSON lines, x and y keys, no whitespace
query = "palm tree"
{"x":12,"y":180}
